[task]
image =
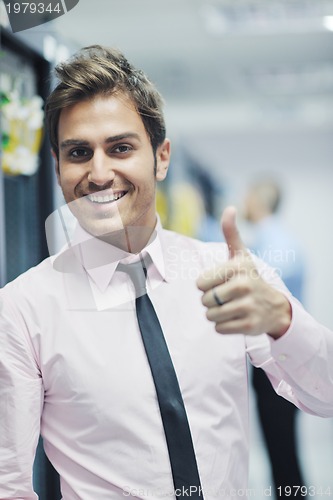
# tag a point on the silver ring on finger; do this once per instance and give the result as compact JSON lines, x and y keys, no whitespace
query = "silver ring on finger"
{"x":217,"y":299}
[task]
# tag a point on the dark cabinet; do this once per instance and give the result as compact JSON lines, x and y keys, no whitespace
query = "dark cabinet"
{"x":25,"y":203}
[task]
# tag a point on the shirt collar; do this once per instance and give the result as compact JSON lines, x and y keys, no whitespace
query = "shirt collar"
{"x":100,"y":259}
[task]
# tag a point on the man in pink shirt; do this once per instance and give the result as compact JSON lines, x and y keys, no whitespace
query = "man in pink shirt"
{"x":72,"y":363}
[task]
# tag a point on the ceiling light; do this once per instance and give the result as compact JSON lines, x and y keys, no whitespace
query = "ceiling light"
{"x":328,"y":22}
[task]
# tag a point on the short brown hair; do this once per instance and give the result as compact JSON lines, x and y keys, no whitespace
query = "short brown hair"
{"x":97,"y":70}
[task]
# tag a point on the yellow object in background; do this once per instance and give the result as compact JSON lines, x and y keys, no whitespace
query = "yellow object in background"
{"x":22,"y":132}
{"x":162,"y":206}
{"x":186,"y":209}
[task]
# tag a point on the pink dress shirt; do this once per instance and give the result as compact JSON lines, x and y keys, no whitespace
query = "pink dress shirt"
{"x":73,"y":368}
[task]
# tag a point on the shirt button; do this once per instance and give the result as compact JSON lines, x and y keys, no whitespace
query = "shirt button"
{"x":282,"y":357}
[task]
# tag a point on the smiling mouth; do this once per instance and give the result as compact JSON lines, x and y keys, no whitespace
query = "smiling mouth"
{"x":103,"y":199}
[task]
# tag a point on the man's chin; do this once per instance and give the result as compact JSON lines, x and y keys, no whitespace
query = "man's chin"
{"x":102,"y":230}
{"x":129,"y":238}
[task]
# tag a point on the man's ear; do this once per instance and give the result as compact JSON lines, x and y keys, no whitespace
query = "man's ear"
{"x":56,"y":165}
{"x":163,"y":159}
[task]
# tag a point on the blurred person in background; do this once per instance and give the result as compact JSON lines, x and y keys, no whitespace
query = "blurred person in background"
{"x":272,"y":241}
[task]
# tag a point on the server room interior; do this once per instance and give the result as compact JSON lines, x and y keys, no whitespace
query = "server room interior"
{"x":248,"y":94}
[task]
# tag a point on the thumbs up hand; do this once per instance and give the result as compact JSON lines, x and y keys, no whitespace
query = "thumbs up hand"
{"x":238,"y":300}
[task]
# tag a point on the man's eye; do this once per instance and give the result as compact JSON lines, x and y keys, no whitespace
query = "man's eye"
{"x":122,"y":148}
{"x":79,"y":153}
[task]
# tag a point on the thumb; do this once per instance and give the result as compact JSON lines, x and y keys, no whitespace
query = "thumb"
{"x":231,"y":233}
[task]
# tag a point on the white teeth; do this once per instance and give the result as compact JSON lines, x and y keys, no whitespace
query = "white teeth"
{"x":95,"y":198}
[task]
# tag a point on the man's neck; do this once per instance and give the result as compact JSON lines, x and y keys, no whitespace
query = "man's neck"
{"x":131,"y":239}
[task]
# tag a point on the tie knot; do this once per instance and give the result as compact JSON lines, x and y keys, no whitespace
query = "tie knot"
{"x":137,"y":272}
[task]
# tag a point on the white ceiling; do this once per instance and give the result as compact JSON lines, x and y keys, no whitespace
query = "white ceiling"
{"x":203,"y":50}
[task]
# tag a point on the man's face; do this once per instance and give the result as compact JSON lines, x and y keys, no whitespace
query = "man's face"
{"x":106,"y":165}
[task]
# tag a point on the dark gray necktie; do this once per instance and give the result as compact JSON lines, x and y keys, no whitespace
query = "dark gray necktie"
{"x":177,"y":431}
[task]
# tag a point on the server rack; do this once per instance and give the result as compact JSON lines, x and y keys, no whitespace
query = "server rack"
{"x":3,"y":274}
{"x":25,"y":203}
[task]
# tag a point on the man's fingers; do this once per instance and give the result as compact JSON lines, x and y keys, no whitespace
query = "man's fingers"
{"x":238,"y":326}
{"x":240,"y":261}
{"x":214,"y":298}
{"x":217,"y":275}
{"x":225,"y":292}
{"x":231,"y":233}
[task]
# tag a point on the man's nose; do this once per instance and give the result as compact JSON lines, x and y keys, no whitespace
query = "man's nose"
{"x":100,"y":169}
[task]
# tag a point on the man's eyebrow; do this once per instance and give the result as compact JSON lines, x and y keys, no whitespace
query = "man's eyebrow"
{"x":114,"y":138}
{"x":72,"y":142}
{"x":121,"y":137}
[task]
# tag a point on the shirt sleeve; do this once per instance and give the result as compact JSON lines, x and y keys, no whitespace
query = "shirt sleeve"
{"x":300,"y":363}
{"x":21,"y":396}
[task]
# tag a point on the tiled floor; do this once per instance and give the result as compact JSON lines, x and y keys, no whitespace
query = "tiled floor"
{"x":315,"y":437}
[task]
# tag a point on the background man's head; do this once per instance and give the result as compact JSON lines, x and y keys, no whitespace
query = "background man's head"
{"x":262,"y":199}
